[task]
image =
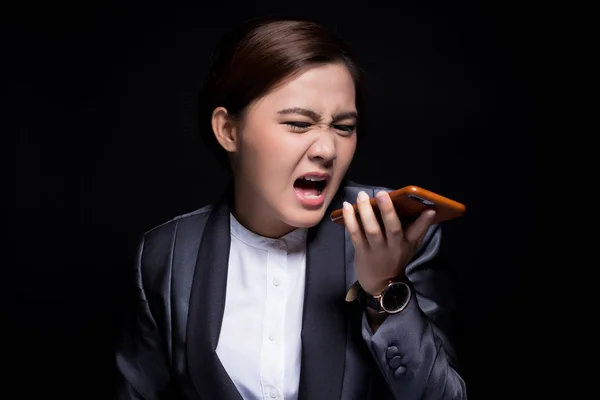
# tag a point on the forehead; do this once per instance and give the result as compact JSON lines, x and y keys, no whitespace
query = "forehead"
{"x":327,"y":88}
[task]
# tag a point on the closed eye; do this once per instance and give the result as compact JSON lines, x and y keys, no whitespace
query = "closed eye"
{"x":298,"y":124}
{"x":302,"y":126}
{"x":345,"y":128}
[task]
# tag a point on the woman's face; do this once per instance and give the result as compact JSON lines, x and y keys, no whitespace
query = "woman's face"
{"x":292,"y":149}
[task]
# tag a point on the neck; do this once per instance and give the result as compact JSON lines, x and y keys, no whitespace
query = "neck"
{"x":257,"y":218}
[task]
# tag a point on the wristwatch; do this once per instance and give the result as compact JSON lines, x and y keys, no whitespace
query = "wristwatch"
{"x":392,"y":300}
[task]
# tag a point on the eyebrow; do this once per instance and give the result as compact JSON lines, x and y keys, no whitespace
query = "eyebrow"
{"x":316,"y":116}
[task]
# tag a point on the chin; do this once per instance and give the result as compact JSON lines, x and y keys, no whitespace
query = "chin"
{"x":306,"y":222}
{"x":299,"y":218}
{"x":304,"y":218}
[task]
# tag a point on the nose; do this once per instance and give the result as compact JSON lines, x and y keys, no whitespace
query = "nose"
{"x":323,"y":149}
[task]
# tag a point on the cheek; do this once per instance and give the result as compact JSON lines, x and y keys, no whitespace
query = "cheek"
{"x":269,"y":150}
{"x":346,"y":149}
{"x":256,"y":142}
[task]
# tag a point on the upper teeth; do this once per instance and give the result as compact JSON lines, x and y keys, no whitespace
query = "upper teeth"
{"x":315,"y":178}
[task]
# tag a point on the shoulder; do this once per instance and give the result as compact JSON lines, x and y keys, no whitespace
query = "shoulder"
{"x":163,"y":236}
{"x":167,"y":244}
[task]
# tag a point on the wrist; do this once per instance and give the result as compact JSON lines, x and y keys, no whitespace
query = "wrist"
{"x":375,"y":318}
{"x":377,"y":287}
{"x":392,"y":299}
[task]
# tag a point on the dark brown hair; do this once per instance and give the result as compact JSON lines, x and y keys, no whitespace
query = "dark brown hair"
{"x":260,"y":54}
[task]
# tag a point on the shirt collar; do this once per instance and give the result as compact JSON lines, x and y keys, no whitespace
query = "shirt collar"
{"x":291,"y":241}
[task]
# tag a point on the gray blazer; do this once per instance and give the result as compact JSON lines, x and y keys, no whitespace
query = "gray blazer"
{"x":167,"y":349}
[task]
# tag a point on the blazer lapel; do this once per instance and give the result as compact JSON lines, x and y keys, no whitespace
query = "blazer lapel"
{"x":324,"y":325}
{"x":207,"y":304}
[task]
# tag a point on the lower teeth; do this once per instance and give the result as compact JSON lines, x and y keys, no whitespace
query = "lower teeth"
{"x":313,"y":196}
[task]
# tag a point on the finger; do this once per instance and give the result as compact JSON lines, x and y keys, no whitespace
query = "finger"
{"x":352,"y":225}
{"x":391,"y":221}
{"x":371,"y":228}
{"x":417,"y":230}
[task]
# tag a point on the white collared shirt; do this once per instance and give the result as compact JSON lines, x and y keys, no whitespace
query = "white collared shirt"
{"x":259,"y":345}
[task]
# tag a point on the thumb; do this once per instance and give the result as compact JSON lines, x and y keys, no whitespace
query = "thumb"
{"x":418,"y":229}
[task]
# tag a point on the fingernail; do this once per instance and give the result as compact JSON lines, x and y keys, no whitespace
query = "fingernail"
{"x":362,"y":196}
{"x":380,"y":197}
{"x":430,"y":214}
{"x":347,"y":205}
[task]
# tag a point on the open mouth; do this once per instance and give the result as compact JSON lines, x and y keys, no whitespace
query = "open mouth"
{"x":310,"y":186}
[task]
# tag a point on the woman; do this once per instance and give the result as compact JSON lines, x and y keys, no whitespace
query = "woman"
{"x":260,"y":295}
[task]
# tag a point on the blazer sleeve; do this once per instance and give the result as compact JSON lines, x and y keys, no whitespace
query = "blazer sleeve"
{"x":142,"y":369}
{"x":412,"y":348}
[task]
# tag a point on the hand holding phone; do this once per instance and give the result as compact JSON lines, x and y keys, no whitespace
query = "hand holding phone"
{"x":410,"y":201}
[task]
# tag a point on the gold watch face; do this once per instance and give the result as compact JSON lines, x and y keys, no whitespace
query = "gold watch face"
{"x":396,"y":297}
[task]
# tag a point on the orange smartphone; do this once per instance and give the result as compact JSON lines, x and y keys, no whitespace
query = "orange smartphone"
{"x":410,"y":201}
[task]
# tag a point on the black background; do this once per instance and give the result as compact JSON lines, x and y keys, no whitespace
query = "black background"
{"x":101,"y":98}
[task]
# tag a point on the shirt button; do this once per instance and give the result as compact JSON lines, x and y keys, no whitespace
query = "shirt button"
{"x":273,"y":393}
{"x":276,"y":282}
{"x":272,"y":337}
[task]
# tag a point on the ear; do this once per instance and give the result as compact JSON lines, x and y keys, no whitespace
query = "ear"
{"x":225,"y":129}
